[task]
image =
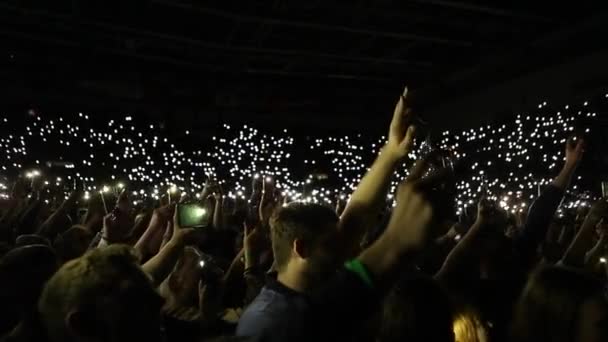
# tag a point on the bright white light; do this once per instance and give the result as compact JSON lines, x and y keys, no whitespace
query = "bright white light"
{"x":199,"y":212}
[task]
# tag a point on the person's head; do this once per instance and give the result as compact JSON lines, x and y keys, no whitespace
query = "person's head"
{"x":24,"y":271}
{"x":561,"y":304}
{"x":301,"y":239}
{"x":416,"y":309}
{"x":31,"y":239}
{"x":101,"y":296}
{"x":468,"y":326}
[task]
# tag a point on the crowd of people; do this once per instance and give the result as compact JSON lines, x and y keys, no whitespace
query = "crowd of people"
{"x":438,"y":252}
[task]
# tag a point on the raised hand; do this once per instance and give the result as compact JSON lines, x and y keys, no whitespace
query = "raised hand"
{"x":218,"y":193}
{"x":575,"y":149}
{"x":485,"y":209}
{"x":252,"y":244}
{"x":115,"y":228}
{"x":153,"y":237}
{"x":182,"y":236}
{"x":256,"y":184}
{"x":268,"y":204}
{"x":401,"y":132}
{"x":419,"y":206}
{"x":117,"y":225}
{"x":208,"y":188}
{"x":122,"y":202}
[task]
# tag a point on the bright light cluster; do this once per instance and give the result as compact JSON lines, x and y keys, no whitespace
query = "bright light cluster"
{"x":512,"y":160}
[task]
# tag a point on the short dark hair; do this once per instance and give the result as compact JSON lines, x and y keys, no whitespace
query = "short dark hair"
{"x":302,"y":221}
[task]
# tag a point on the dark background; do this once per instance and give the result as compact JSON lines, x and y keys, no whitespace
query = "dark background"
{"x":315,"y":65}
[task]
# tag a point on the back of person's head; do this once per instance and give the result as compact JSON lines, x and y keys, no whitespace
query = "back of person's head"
{"x":24,"y":271}
{"x":468,"y":326}
{"x":301,"y":229}
{"x":31,"y":239}
{"x":5,"y":247}
{"x":561,"y":304}
{"x":102,"y":296}
{"x":417,"y":309}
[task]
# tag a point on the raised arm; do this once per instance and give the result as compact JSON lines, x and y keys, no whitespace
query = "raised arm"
{"x":350,"y":297}
{"x":160,"y":266}
{"x":369,"y":197}
{"x":150,"y":241}
{"x":218,"y":210}
{"x":465,"y":252}
{"x":583,"y":241}
{"x":543,"y":209}
{"x":599,"y":250}
{"x":53,"y":225}
{"x":26,"y":222}
{"x":574,"y":153}
{"x":118,"y":224}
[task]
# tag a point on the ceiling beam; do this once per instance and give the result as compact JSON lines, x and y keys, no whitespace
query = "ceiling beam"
{"x":500,"y":12}
{"x":69,"y":22}
{"x":314,"y":26}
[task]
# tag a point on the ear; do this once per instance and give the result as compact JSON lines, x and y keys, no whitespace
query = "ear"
{"x":83,"y":326}
{"x":299,"y":249}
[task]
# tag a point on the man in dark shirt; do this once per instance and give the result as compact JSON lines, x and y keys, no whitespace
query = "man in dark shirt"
{"x":305,"y":305}
{"x":299,"y":232}
{"x":309,"y":243}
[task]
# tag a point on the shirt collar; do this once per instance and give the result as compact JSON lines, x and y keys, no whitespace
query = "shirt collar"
{"x":273,"y":284}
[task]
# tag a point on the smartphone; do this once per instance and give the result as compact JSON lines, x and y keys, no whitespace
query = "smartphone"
{"x":192,"y":215}
{"x":605,"y":189}
{"x":485,"y":191}
{"x":210,"y":271}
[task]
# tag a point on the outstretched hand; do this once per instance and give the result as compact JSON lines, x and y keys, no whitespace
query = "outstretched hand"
{"x":575,"y":148}
{"x":117,"y":225}
{"x":268,"y":204}
{"x":487,"y":212}
{"x":182,"y":236}
{"x":420,"y":205}
{"x":401,"y":132}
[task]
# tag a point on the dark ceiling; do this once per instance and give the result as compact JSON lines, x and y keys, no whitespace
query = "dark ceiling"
{"x":324,"y":63}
